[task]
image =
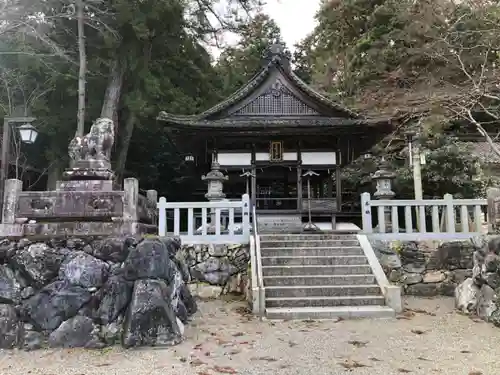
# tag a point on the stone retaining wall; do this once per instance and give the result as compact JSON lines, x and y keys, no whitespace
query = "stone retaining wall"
{"x":223,"y":267}
{"x":427,"y":268}
{"x":93,"y":293}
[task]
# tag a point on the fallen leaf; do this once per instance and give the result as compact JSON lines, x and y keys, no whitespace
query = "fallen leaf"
{"x":421,"y":311}
{"x":357,"y":343}
{"x":238,"y":334}
{"x":350,"y":364}
{"x":417,"y":331}
{"x":224,"y":369}
{"x":265,"y":358}
{"x":403,"y":370}
{"x":465,"y":351}
{"x":196,"y":362}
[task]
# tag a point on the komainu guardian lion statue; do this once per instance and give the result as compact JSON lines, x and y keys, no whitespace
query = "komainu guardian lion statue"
{"x":96,"y":145}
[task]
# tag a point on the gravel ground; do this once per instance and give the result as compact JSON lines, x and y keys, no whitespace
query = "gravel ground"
{"x":429,"y":338}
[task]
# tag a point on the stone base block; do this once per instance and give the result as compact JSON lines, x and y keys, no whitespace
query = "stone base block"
{"x":77,"y":229}
{"x":88,"y":174}
{"x":85,"y":185}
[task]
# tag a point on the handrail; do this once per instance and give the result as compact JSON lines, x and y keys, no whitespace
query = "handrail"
{"x":258,"y":261}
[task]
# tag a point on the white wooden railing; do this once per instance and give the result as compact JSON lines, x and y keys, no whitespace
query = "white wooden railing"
{"x":212,"y":229}
{"x":443,"y":215}
{"x":258,"y":291}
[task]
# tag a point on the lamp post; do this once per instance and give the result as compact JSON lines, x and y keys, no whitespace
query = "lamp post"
{"x":27,"y":133}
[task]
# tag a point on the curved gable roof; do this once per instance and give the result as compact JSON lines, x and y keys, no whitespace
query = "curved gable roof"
{"x":277,"y":69}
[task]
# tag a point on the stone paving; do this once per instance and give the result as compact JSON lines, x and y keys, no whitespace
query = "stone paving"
{"x":428,"y":338}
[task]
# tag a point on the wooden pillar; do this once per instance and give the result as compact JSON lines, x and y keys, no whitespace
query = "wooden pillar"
{"x":338,"y":185}
{"x":253,"y":188}
{"x":299,"y":178}
{"x":329,"y":186}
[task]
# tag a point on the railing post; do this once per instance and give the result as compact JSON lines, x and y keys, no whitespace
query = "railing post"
{"x":245,"y":220}
{"x":152,"y":197}
{"x":366,"y":213}
{"x":450,"y":213}
{"x":162,"y":217}
{"x":492,"y":197}
{"x":12,"y":188}
{"x":130,"y":200}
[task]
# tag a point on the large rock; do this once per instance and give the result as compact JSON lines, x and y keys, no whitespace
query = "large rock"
{"x":6,"y":249}
{"x":31,"y":339}
{"x":10,"y":289}
{"x":9,"y":327}
{"x":486,"y":300}
{"x":466,"y":297}
{"x":84,"y":270}
{"x":114,"y":249}
{"x":39,"y":263}
{"x":149,"y":260}
{"x":77,"y":332}
{"x":188,"y":299}
{"x":115,"y":296}
{"x":455,"y":254}
{"x":151,"y":319}
{"x":54,"y":304}
{"x":215,"y":271}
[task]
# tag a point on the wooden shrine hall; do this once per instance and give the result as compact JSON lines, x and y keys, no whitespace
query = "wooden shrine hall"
{"x":273,"y":136}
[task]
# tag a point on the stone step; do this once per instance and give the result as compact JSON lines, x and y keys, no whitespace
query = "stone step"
{"x":307,"y":237}
{"x":308,"y":243}
{"x":315,"y":270}
{"x":314,"y":260}
{"x":287,"y":302}
{"x":344,"y":312}
{"x":319,"y":280}
{"x":323,"y":291}
{"x":311,"y":251}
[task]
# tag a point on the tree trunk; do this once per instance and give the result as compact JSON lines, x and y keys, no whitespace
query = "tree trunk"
{"x":125,"y":143}
{"x":113,"y":91}
{"x":80,"y":126}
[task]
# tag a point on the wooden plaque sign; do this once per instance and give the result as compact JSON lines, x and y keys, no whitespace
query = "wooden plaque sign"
{"x":276,"y":151}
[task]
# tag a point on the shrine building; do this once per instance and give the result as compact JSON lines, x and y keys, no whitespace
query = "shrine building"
{"x":273,"y":136}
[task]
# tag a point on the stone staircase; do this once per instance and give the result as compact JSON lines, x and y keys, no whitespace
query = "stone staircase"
{"x":319,"y":276}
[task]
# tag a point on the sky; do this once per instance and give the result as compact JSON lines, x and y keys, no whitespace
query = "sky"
{"x":294,"y":17}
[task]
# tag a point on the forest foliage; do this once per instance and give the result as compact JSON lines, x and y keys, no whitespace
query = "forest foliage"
{"x":431,"y":65}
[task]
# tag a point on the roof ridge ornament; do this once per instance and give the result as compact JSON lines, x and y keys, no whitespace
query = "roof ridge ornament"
{"x":278,"y":53}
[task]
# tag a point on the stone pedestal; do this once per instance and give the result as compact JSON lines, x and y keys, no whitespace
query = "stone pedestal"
{"x":85,"y":203}
{"x":89,"y":170}
{"x":215,"y":179}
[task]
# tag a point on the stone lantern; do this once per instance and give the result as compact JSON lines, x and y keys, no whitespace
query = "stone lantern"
{"x":383,"y":178}
{"x":215,"y":179}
